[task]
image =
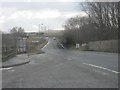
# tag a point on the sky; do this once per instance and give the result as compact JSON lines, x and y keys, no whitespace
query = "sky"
{"x":30,"y":14}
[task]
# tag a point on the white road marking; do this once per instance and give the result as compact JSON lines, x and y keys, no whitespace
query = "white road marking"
{"x":101,"y":68}
{"x":6,"y":68}
{"x":62,"y":46}
{"x":46,"y":45}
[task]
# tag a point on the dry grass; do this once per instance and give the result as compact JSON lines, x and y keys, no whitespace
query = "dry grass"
{"x":54,"y":33}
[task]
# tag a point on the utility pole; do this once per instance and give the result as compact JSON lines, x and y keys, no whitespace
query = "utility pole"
{"x":39,"y":29}
{"x":28,"y":46}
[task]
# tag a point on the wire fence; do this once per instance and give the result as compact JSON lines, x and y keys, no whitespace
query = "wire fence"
{"x":12,"y":45}
{"x":8,"y":46}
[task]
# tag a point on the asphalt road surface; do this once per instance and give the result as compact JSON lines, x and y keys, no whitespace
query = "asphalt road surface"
{"x":63,"y":68}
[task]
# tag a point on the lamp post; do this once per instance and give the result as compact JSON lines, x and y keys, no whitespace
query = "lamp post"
{"x":40,"y":28}
{"x":28,"y":45}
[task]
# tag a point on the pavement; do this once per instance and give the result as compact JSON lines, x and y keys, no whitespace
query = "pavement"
{"x":62,"y":68}
{"x":15,"y":61}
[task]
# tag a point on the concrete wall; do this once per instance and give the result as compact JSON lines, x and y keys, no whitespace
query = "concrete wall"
{"x":108,"y":46}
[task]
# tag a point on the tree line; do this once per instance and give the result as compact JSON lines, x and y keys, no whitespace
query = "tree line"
{"x":100,"y":23}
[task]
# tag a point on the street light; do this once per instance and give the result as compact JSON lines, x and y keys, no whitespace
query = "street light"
{"x":28,"y":44}
{"x":40,"y":28}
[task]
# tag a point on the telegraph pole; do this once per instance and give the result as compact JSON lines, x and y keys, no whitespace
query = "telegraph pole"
{"x":28,"y":46}
{"x":39,"y":29}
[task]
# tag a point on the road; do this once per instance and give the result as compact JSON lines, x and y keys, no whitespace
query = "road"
{"x":63,"y":68}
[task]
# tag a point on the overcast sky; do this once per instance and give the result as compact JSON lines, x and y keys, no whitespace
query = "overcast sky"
{"x":30,"y":14}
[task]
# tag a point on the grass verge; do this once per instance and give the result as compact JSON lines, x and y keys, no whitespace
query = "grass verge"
{"x":81,"y":48}
{"x":37,"y":50}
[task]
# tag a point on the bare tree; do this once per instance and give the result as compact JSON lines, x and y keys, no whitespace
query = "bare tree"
{"x":100,"y":24}
{"x":105,"y":17}
{"x":17,"y":32}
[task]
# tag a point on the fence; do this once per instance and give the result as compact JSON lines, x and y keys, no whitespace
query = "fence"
{"x":34,"y":42}
{"x":21,"y":44}
{"x":8,"y":46}
{"x":12,"y":45}
{"x":107,"y":46}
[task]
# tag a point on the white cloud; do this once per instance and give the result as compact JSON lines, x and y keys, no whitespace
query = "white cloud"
{"x":72,"y":0}
{"x":73,"y":14}
{"x":30,"y":18}
{"x":35,"y":27}
{"x":7,"y":11}
{"x":59,"y":28}
{"x":24,"y":14}
{"x":15,"y":14}
{"x":43,"y":0}
{"x":2,"y":19}
{"x":45,"y":14}
{"x":32,"y":14}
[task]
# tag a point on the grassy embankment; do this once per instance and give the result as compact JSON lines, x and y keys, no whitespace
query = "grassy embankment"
{"x":36,"y":48}
{"x":81,"y":48}
{"x":54,"y":33}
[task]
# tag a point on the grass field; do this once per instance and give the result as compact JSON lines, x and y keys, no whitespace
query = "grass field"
{"x":54,"y":33}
